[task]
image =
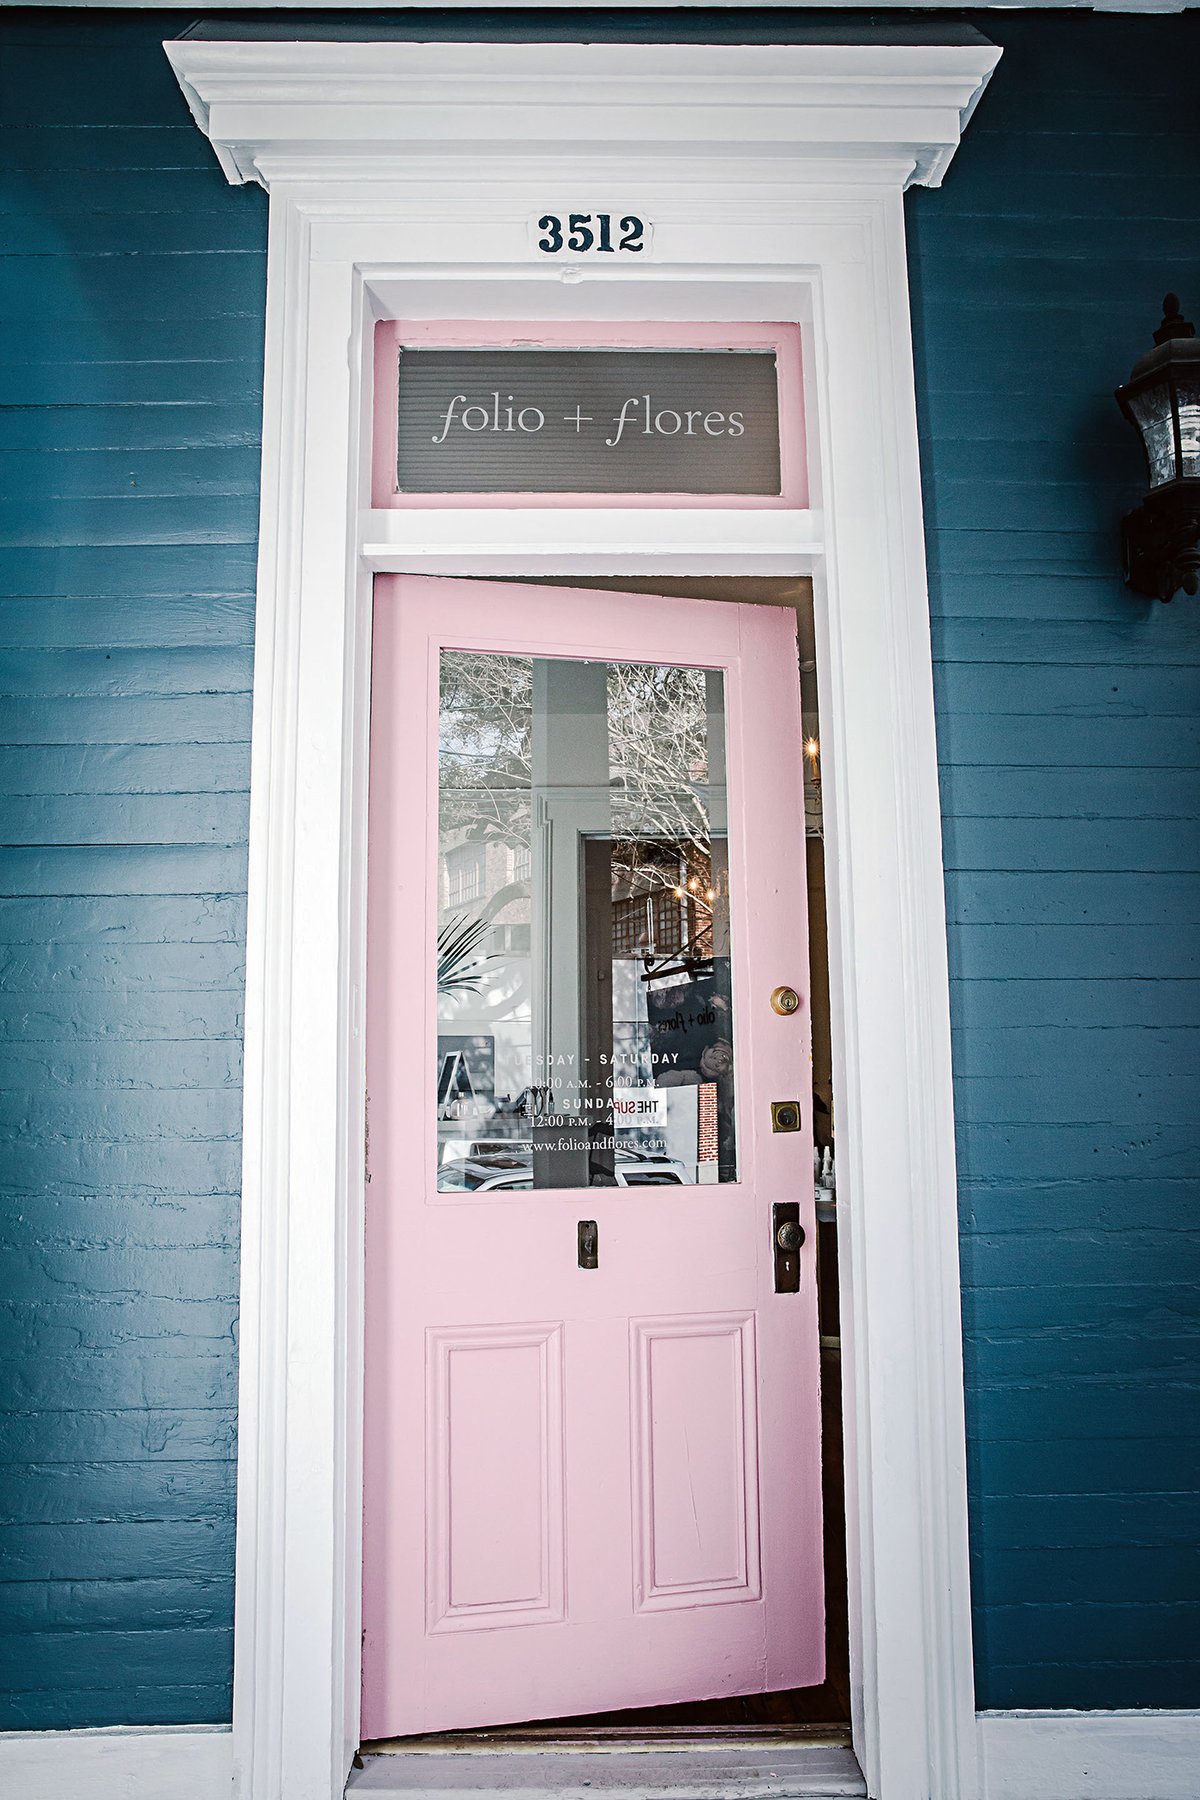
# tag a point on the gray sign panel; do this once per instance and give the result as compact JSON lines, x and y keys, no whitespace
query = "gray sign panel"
{"x":588,"y":422}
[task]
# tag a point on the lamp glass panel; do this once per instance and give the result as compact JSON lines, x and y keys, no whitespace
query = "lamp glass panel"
{"x":1189,"y":425}
{"x":1151,"y":408}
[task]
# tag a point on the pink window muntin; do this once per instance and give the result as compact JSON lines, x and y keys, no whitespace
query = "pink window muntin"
{"x":393,"y":335}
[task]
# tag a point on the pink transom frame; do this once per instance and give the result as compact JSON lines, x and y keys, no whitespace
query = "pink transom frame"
{"x":391,"y":335}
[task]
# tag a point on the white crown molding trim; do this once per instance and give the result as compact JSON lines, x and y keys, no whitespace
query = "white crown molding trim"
{"x":381,"y":103}
{"x":800,"y":218}
{"x":120,"y":1762}
{"x":1089,"y":1755}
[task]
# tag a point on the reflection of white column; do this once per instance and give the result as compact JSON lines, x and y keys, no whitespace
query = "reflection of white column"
{"x":716,"y":797}
{"x":570,"y":802}
{"x":680,"y":1132}
{"x":540,"y":886}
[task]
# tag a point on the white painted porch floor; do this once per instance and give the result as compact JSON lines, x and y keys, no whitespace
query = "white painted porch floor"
{"x":759,"y":1771}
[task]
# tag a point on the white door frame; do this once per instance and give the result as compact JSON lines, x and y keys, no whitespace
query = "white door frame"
{"x":402,"y":178}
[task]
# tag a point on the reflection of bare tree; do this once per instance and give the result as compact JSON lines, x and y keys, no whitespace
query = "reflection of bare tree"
{"x":658,"y":755}
{"x":485,"y":761}
{"x":657,"y":735}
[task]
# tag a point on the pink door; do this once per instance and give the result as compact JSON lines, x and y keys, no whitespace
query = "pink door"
{"x":592,"y":1426}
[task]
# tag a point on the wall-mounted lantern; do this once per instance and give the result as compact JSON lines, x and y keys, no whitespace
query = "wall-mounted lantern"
{"x":1162,"y":400}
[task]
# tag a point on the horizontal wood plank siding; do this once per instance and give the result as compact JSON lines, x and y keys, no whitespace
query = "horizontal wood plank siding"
{"x":131,"y":324}
{"x":1071,"y":792}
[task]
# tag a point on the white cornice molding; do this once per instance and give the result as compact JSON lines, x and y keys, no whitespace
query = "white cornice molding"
{"x":278,"y":111}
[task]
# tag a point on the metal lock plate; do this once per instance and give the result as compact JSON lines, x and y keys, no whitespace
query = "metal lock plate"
{"x":785,"y":1115}
{"x":785,"y":1000}
{"x":589,"y":1244}
{"x":788,"y":1238}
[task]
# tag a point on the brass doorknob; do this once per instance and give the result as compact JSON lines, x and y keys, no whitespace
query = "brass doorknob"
{"x":789,"y":1236}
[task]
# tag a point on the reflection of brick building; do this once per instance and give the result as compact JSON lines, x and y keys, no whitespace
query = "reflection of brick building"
{"x":663,"y":905}
{"x":474,"y":874}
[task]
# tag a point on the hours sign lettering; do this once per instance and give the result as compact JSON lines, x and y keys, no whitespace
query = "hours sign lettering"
{"x":588,"y":421}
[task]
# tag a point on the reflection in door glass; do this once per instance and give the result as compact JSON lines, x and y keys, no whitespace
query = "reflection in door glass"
{"x":585,"y":1033}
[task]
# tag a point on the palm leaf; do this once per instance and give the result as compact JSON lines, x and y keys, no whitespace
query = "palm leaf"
{"x":459,"y":965}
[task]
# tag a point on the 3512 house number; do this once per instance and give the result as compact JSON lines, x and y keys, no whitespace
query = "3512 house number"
{"x":598,"y":234}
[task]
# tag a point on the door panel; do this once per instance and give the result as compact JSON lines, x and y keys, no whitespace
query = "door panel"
{"x":495,"y":1455}
{"x":695,"y":1460}
{"x":586,"y":1488}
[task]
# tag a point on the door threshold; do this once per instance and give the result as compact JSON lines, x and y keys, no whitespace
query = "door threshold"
{"x":503,"y":1740}
{"x":719,"y":1768}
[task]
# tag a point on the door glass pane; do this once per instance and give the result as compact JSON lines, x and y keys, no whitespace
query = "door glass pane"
{"x":585,"y":1028}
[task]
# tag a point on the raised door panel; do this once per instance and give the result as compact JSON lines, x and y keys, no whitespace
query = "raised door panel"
{"x":495,"y":1462}
{"x":695,"y":1460}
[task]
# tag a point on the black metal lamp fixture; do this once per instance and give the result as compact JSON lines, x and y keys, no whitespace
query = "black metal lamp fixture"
{"x":1162,"y":400}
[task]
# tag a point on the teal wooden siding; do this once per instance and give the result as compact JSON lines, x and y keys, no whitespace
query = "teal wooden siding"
{"x":131,"y":301}
{"x":1070,"y":751}
{"x":131,"y":324}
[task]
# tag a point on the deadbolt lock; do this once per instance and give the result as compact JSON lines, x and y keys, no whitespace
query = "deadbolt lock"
{"x":785,"y":1000}
{"x":785,"y":1115}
